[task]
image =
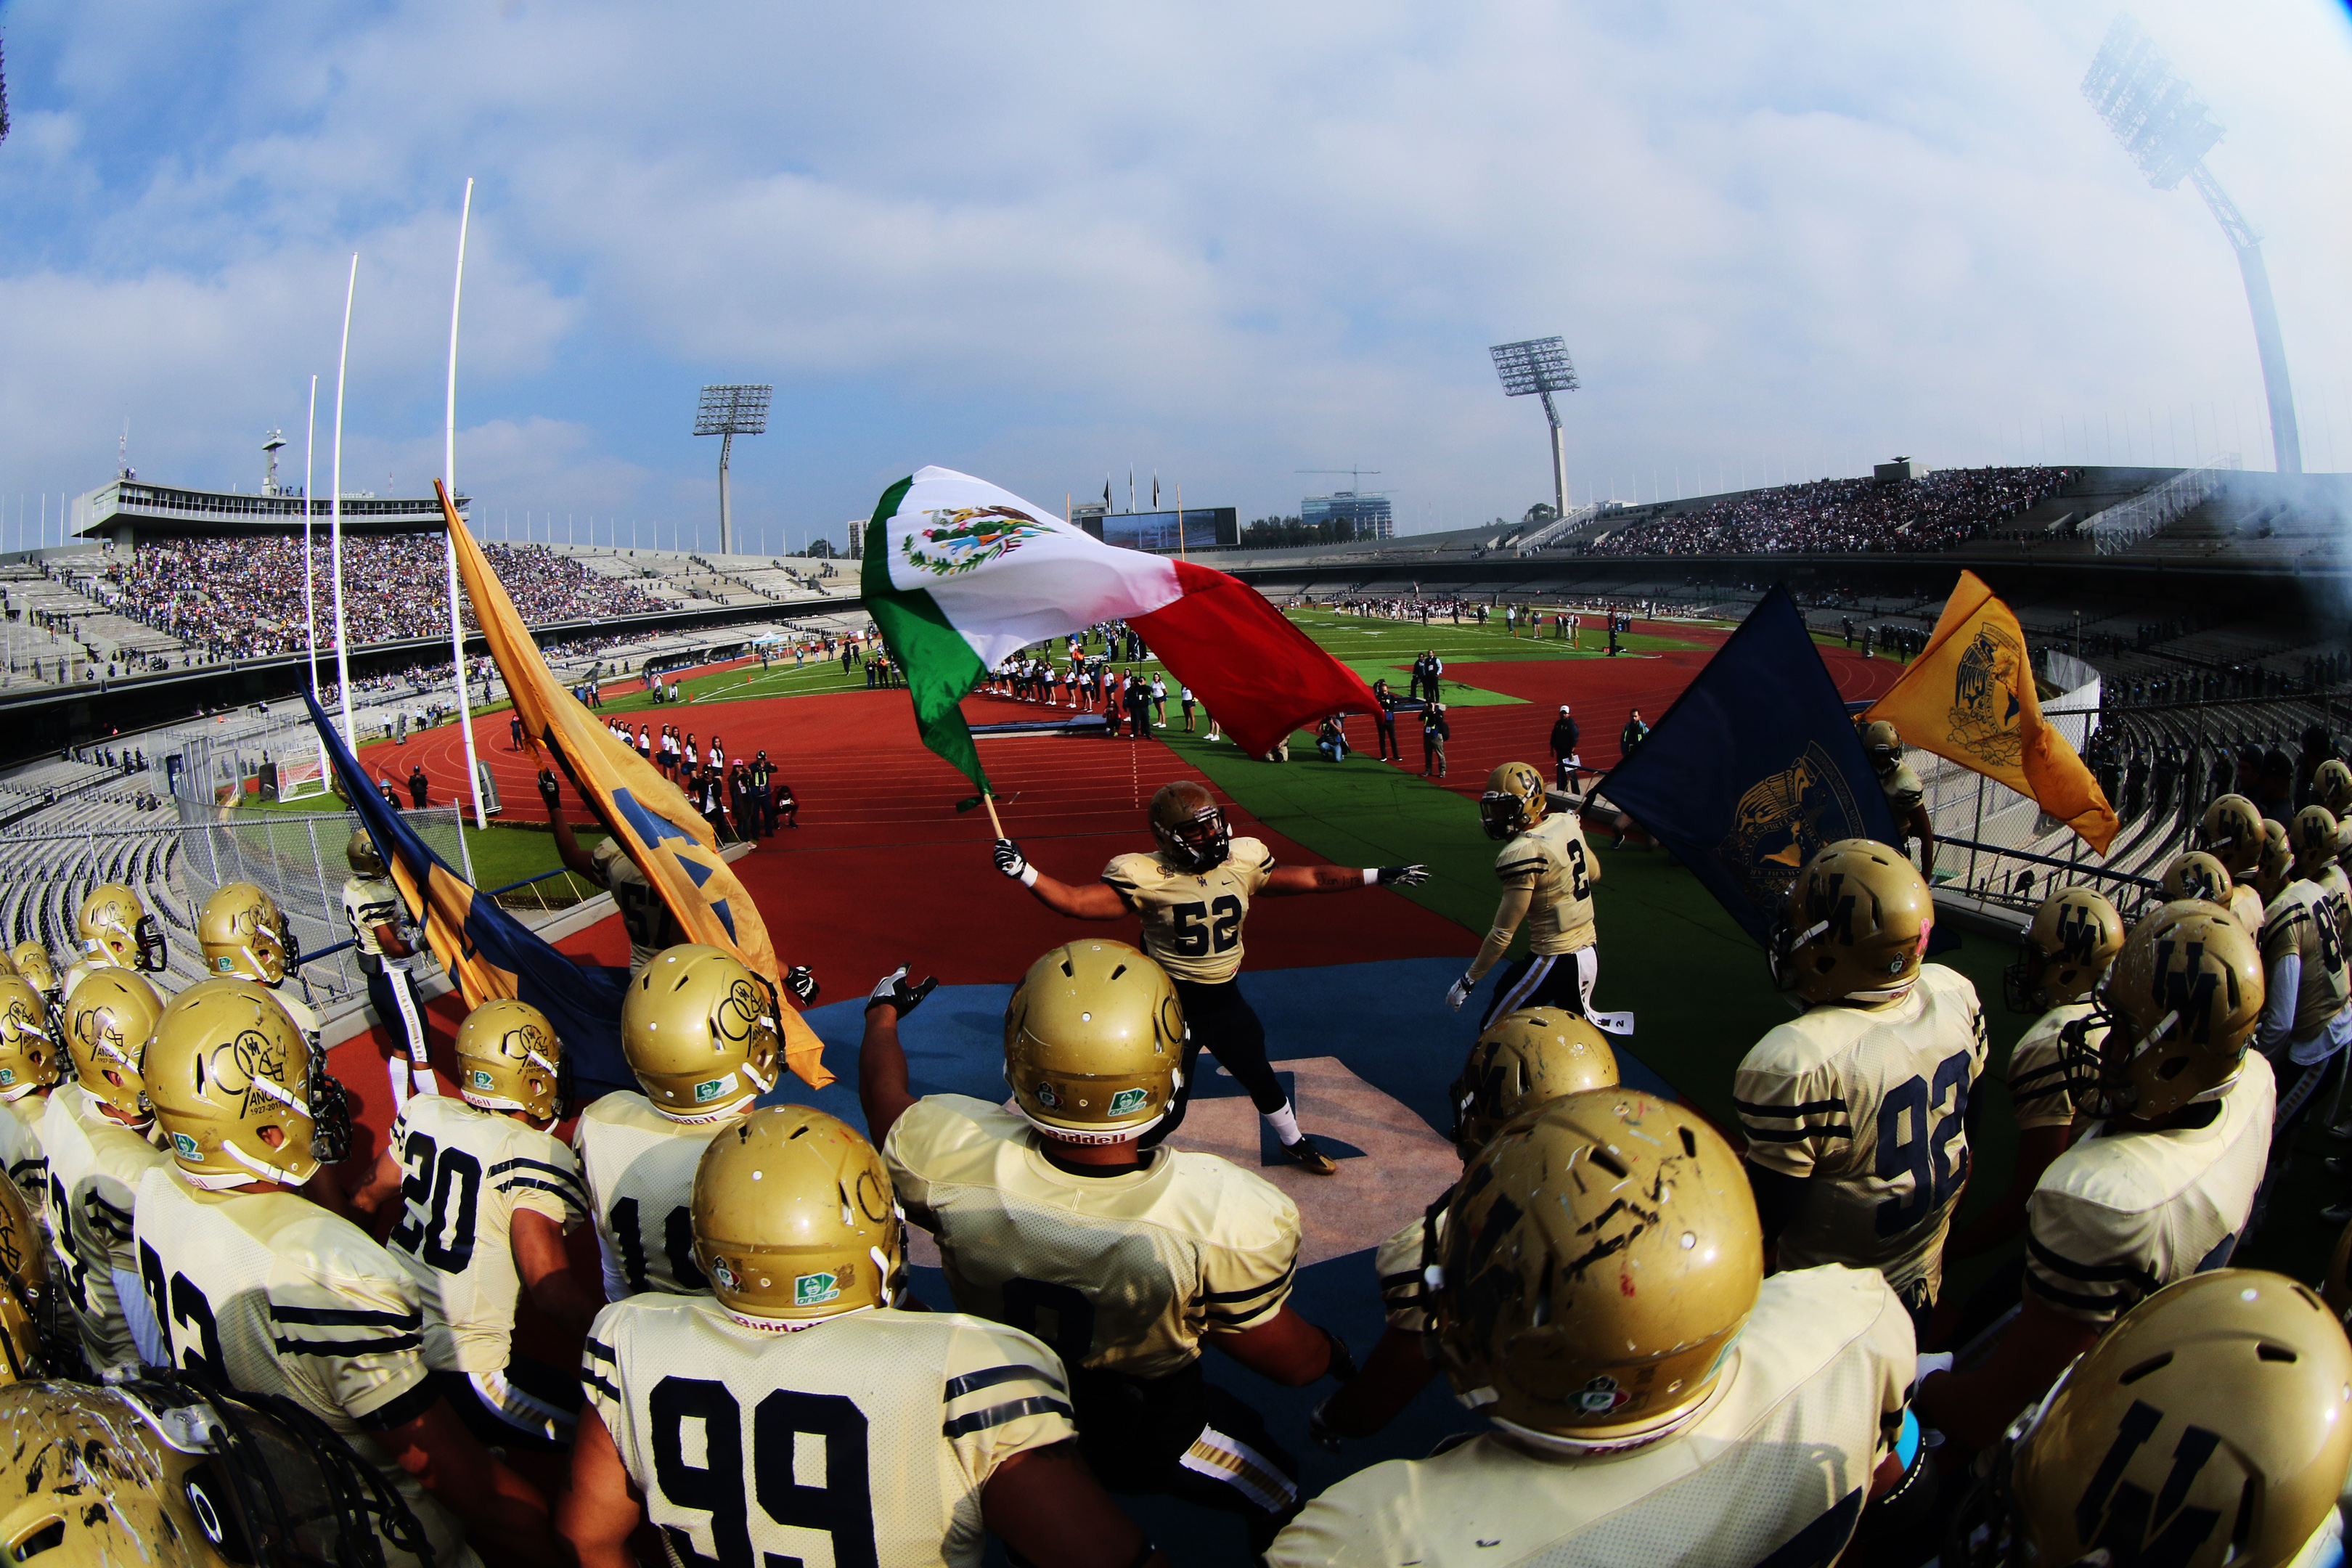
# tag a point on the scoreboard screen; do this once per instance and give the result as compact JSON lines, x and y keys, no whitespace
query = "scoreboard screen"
{"x":1200,"y":528}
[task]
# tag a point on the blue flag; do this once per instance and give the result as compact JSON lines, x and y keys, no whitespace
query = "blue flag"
{"x":486,"y":951}
{"x":1756,"y":766}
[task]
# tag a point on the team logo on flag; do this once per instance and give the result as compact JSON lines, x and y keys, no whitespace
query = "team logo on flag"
{"x":965,"y":538}
{"x":1784,"y":817}
{"x":1984,"y":697}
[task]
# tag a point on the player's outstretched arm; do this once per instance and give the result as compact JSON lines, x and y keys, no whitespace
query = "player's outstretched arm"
{"x":1508,"y":913}
{"x":1289,"y":880}
{"x":1047,"y":1506}
{"x":368,"y":1199}
{"x":1094,"y":902}
{"x":505,"y":1518}
{"x":544,"y":1265}
{"x":882,"y":1090}
{"x":596,"y":1514}
{"x":567,"y":847}
{"x":1286,"y":1349}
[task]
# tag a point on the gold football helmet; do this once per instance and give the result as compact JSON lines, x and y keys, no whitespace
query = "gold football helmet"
{"x":1189,"y":825}
{"x":1525,"y":1059}
{"x":509,"y":1059}
{"x":235,"y":1091}
{"x":2208,"y":1427}
{"x":31,"y":963}
{"x":1537,"y":1319}
{"x":2331,"y":785}
{"x":1093,"y":1043}
{"x":2179,"y":1005}
{"x":2232,"y":832}
{"x":244,"y":933}
{"x":701,"y":1032}
{"x":1882,"y":745}
{"x":109,"y":1018}
{"x":1514,"y":802}
{"x":2276,"y":867}
{"x":360,"y":852}
{"x":794,"y":1221}
{"x":30,"y":1058}
{"x":2076,"y":934}
{"x":2312,"y":840}
{"x":2335,"y":1290}
{"x":1855,"y":923}
{"x":2198,"y":875}
{"x":23,"y":1281}
{"x":115,"y":927}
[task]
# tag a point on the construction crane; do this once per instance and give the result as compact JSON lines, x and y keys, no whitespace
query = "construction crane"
{"x":1355,"y":476}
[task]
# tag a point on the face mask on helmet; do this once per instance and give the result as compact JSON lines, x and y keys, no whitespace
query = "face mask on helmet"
{"x":245,"y":934}
{"x":1191,"y":828}
{"x":2074,"y":936}
{"x":1513,"y":801}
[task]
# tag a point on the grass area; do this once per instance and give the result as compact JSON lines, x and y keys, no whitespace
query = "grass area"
{"x":503,"y":853}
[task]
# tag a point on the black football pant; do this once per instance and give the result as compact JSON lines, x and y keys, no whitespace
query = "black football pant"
{"x":1218,"y":1017}
{"x":1182,"y":1437}
{"x":1562,"y":980}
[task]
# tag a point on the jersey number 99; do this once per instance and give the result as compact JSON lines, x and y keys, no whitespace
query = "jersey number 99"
{"x":842,"y":1507}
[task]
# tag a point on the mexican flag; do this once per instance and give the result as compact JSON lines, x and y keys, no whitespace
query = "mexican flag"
{"x":960,"y":576}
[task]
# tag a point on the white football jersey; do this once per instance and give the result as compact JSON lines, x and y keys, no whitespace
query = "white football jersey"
{"x":1123,"y":1273}
{"x":1192,"y":919}
{"x":2038,"y":1088}
{"x":1553,"y":862}
{"x":465,"y":1171}
{"x":2246,"y":903}
{"x":1867,"y":1105}
{"x":271,"y":1294}
{"x":639,"y":1167}
{"x":21,"y":1153}
{"x":1776,"y":1470}
{"x":2302,"y":921}
{"x":863,"y":1440}
{"x":96,"y":1164}
{"x":2122,"y":1214}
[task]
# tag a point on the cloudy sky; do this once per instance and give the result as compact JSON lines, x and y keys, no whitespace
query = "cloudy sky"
{"x":1045,"y":242}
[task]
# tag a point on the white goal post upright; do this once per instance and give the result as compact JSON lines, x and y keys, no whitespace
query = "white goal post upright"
{"x":449,"y":479}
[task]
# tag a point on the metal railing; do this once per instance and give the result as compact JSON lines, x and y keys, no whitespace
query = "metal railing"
{"x":2120,"y":527}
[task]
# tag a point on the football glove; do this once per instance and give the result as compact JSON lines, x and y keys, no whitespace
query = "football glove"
{"x":1010,"y":860}
{"x":1459,"y":993}
{"x":1403,"y":876}
{"x":1319,"y":1428}
{"x":801,"y":981}
{"x":894,"y":990}
{"x":549,"y":790}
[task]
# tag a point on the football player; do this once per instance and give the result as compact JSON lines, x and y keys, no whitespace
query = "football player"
{"x":2204,"y":1428}
{"x":244,"y":936}
{"x":386,"y":938}
{"x":1599,"y":1296}
{"x":1905,"y":796}
{"x":644,"y":915}
{"x":2305,"y":1023}
{"x":2232,"y":832}
{"x":2194,"y":874}
{"x":260,"y":1289}
{"x":699,"y":1031}
{"x":823,"y":1418}
{"x":2065,"y":952}
{"x":1526,"y":1059}
{"x":23,"y":1290}
{"x":115,"y":932}
{"x":1194,"y":893}
{"x":30,"y":962}
{"x":2160,"y":1188}
{"x":31,"y":1061}
{"x":99,"y":1131}
{"x":2331,"y":786}
{"x":487,"y":1194}
{"x":1051,"y":1217}
{"x":1546,"y":869}
{"x":2276,"y":867}
{"x":1855,"y":1110}
{"x":161,"y":1471}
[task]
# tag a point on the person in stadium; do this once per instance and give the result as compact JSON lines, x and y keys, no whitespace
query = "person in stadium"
{"x":485,"y":1196}
{"x":243,"y":934}
{"x":386,"y":940}
{"x":934,"y":1426}
{"x":1435,"y":731}
{"x":1855,"y":1109}
{"x":1906,"y":798}
{"x":1194,"y":893}
{"x":1625,"y":1429}
{"x":2232,"y":832}
{"x":701,"y":1032}
{"x":644,"y":915}
{"x":114,"y":931}
{"x":2148,"y":1449}
{"x":1525,"y":1059}
{"x":31,"y":1062}
{"x":257,"y":1285}
{"x":420,"y":788}
{"x":760,"y":784}
{"x":2063,"y":956}
{"x":98,"y":1134}
{"x":1548,"y":873}
{"x":1566,"y":762}
{"x":30,"y":962}
{"x":2161,"y":1187}
{"x":2305,"y":1023}
{"x":1629,"y":738}
{"x":1053,"y":1218}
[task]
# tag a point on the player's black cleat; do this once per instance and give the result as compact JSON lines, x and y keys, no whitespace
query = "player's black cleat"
{"x":1308,"y":1157}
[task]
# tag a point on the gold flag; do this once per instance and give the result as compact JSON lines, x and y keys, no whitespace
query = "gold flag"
{"x":1969,"y":699}
{"x":667,"y":838}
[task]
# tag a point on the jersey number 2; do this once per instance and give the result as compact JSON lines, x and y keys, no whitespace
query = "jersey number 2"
{"x":1200,"y":929}
{"x":1906,"y":1145}
{"x":842,"y":1507}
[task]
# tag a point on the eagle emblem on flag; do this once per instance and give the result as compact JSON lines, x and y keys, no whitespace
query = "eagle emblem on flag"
{"x":957,"y":540}
{"x":1984,"y":697}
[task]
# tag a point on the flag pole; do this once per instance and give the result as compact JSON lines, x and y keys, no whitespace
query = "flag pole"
{"x":335,"y":519}
{"x":310,"y":573}
{"x":449,"y":478}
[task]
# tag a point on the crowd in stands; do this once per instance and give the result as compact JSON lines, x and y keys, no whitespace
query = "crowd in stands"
{"x":242,"y":598}
{"x":1845,"y":516}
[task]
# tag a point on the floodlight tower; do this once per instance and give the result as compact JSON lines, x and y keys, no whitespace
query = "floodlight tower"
{"x":2167,"y":133}
{"x":728,"y":412}
{"x":1540,"y":365}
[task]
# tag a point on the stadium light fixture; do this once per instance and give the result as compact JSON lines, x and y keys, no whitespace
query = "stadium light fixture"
{"x":728,"y":412}
{"x":2165,"y":127}
{"x":1539,"y":367}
